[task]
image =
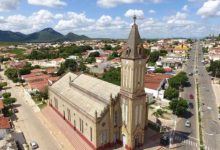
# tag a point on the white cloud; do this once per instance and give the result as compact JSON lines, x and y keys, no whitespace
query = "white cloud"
{"x":180,"y":19}
{"x":152,"y":11}
{"x":114,"y":3}
{"x":74,"y":21}
{"x":27,"y":24}
{"x":209,"y":8}
{"x":132,"y":12}
{"x":185,"y":8}
{"x":6,"y":5}
{"x":48,"y":3}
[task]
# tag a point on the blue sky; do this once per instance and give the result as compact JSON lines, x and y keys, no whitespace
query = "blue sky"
{"x":113,"y":18}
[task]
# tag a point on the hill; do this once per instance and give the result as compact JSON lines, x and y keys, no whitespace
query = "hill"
{"x":9,"y":36}
{"x":45,"y":35}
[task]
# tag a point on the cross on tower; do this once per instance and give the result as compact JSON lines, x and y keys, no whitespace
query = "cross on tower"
{"x":134,"y":18}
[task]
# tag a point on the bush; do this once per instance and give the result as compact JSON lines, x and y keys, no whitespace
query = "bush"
{"x":160,"y":70}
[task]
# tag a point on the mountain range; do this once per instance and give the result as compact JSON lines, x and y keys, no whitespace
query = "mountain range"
{"x":45,"y":35}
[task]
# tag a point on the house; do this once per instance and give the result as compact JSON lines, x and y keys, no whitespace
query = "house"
{"x":155,"y":84}
{"x":74,"y":57}
{"x":101,"y":113}
{"x":171,"y":60}
{"x":101,"y":59}
{"x":38,"y":81}
{"x":5,"y":126}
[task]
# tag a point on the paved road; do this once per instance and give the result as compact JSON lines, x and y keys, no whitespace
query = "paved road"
{"x":188,"y":137}
{"x":208,"y":108}
{"x":29,"y":123}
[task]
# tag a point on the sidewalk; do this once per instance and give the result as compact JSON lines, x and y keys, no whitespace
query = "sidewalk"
{"x":63,"y":142}
{"x":216,"y":89}
{"x":77,"y":142}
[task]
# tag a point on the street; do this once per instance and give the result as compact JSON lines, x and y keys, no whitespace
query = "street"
{"x":208,"y":107}
{"x":188,"y":136}
{"x":28,"y":122}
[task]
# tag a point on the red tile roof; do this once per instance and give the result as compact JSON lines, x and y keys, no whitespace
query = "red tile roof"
{"x":41,"y":86}
{"x":36,"y":71}
{"x":4,"y":123}
{"x":51,"y":70}
{"x":1,"y":105}
{"x":153,"y":80}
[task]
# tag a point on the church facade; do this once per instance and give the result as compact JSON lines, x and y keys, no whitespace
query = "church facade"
{"x":102,"y":113}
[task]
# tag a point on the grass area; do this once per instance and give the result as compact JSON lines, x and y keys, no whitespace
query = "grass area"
{"x":8,"y":43}
{"x":18,"y":52}
{"x":200,"y":125}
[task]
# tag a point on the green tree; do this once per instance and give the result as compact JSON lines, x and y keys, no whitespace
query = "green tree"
{"x":61,"y":70}
{"x":11,"y":73}
{"x":147,"y":52}
{"x":180,"y":80}
{"x":107,"y":47}
{"x":90,"y":60}
{"x":214,"y":68}
{"x":159,"y":113}
{"x":179,"y":106}
{"x":113,"y":76}
{"x":70,"y":64}
{"x":94,"y":54}
{"x":3,"y":84}
{"x":113,"y":55}
{"x":171,"y":93}
{"x":154,"y":56}
{"x":160,"y":70}
{"x":9,"y":101}
{"x":163,"y":52}
{"x":6,"y":95}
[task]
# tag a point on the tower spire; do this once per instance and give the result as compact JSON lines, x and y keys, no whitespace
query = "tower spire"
{"x":134,"y":43}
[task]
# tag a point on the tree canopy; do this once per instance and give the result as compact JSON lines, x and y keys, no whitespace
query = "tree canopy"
{"x":180,"y":79}
{"x":171,"y":93}
{"x":178,"y":106}
{"x":214,"y":68}
{"x":113,"y":76}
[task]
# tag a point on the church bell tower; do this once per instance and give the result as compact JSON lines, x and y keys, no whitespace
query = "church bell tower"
{"x":133,"y":97}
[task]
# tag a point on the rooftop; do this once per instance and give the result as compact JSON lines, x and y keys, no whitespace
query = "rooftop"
{"x":4,"y":123}
{"x":81,"y":93}
{"x":153,"y":80}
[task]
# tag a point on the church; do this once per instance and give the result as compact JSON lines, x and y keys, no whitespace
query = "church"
{"x":103,"y":113}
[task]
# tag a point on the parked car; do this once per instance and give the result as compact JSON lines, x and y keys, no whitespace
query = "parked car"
{"x":187,"y":123}
{"x":190,"y":104}
{"x":164,"y":140}
{"x":219,"y":116}
{"x":15,"y":110}
{"x":34,"y":145}
{"x":191,"y":96}
{"x":190,"y":74}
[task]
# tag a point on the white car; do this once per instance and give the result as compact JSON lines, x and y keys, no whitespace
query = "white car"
{"x":187,"y":123}
{"x":34,"y":145}
{"x":219,"y":116}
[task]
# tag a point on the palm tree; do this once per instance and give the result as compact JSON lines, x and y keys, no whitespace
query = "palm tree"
{"x":159,"y":113}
